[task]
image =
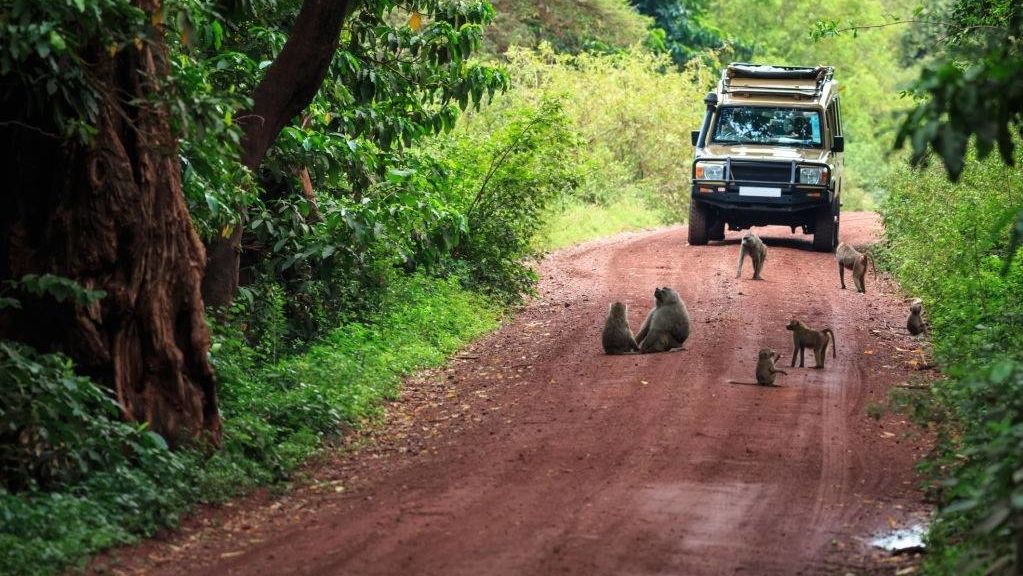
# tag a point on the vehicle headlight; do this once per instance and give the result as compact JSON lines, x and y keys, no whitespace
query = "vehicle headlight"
{"x":710,"y":171}
{"x":813,"y":175}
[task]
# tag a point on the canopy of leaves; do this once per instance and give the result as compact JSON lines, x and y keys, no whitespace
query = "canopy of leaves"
{"x":568,"y":25}
{"x":974,"y":90}
{"x":687,"y":32}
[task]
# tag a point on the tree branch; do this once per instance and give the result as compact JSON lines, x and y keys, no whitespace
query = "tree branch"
{"x":296,"y":74}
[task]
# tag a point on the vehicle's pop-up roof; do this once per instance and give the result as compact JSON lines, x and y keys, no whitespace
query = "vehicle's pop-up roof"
{"x":775,"y":82}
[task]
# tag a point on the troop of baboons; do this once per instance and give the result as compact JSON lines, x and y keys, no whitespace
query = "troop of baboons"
{"x":666,"y":326}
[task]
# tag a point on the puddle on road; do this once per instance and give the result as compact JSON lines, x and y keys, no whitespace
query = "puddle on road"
{"x":903,"y":540}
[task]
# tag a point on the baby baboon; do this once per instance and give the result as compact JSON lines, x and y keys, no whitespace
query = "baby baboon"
{"x":617,"y":337}
{"x":803,"y":337}
{"x":667,"y":325}
{"x":765,"y":366}
{"x":849,"y":257}
{"x":915,"y":323}
{"x":752,"y":245}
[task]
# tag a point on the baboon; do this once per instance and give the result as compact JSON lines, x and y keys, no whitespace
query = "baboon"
{"x":617,"y":337}
{"x":915,"y":323}
{"x":752,"y":245}
{"x":803,"y":337}
{"x":667,"y":325}
{"x":765,"y":366}
{"x":849,"y":257}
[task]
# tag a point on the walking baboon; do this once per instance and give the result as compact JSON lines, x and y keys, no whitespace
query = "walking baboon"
{"x":915,"y":323}
{"x":803,"y":337}
{"x":765,"y":366}
{"x":752,"y":245}
{"x":849,"y":257}
{"x":667,"y":325}
{"x":617,"y":337}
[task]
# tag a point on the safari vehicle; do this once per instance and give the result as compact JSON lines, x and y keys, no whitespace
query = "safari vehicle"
{"x":769,"y":153}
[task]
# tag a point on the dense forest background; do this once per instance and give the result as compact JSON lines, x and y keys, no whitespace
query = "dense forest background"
{"x":387,"y":208}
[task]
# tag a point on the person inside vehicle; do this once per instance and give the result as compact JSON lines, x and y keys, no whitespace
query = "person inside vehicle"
{"x":800,"y":128}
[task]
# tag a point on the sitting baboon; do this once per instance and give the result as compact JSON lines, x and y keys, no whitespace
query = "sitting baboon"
{"x":803,"y":337}
{"x":757,"y":250}
{"x":617,"y":337}
{"x":849,"y":257}
{"x":765,"y":367}
{"x":915,"y":323}
{"x":667,"y":325}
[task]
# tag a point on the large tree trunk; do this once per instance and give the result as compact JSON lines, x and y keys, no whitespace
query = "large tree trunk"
{"x":289,"y":86}
{"x":112,"y":216}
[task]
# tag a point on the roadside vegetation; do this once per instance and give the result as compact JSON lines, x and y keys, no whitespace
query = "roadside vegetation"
{"x":953,"y":227}
{"x":392,"y":218}
{"x":948,"y":244}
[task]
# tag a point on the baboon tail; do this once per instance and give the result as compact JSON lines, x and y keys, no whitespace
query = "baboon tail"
{"x":834,"y":344}
{"x":870,"y":261}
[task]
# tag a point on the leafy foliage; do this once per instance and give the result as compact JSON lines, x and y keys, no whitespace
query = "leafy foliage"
{"x":42,"y":58}
{"x":950,"y":244}
{"x":570,"y":26}
{"x":78,"y":479}
{"x":687,"y":33}
{"x":633,"y":113}
{"x":402,"y":72}
{"x":508,"y":166}
{"x":56,"y":427}
{"x":974,"y":90}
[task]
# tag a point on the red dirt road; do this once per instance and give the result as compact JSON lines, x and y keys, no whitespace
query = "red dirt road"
{"x":534,"y":453}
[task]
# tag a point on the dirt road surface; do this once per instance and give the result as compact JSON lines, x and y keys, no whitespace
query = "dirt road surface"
{"x":534,"y":453}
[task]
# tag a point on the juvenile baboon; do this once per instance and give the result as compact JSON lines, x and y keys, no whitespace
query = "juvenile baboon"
{"x":915,"y":323}
{"x":752,"y":245}
{"x":765,"y":367}
{"x":667,"y":325}
{"x":849,"y":257}
{"x":617,"y":337}
{"x":803,"y":337}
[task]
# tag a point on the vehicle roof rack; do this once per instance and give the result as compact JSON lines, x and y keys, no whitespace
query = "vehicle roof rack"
{"x":744,"y":78}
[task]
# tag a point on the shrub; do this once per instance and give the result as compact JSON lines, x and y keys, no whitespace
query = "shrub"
{"x":948,"y":244}
{"x":110,"y":482}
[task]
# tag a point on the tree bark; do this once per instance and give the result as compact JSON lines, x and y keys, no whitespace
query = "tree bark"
{"x":289,"y":86}
{"x":112,"y":216}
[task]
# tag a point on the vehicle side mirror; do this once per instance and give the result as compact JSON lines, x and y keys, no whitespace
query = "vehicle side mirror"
{"x":838,"y":144}
{"x":695,"y":135}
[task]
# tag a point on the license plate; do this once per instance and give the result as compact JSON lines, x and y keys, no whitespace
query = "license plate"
{"x":759,"y":191}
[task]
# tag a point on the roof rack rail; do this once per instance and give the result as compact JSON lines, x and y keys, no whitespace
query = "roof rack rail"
{"x":802,"y":76}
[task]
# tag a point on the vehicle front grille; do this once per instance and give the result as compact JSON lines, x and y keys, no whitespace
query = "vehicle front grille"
{"x":762,"y":171}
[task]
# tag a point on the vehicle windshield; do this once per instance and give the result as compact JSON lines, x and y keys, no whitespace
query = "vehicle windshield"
{"x":765,"y":125}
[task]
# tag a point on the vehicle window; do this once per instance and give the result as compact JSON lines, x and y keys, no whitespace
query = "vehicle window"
{"x":764,"y":125}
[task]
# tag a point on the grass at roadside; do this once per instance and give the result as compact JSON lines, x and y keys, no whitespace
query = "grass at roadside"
{"x":275,"y":415}
{"x":576,"y":221}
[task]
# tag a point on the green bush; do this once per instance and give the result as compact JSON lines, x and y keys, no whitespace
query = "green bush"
{"x":508,"y":164}
{"x":570,"y":26}
{"x":109,"y":482}
{"x":948,"y":244}
{"x":633,"y":113}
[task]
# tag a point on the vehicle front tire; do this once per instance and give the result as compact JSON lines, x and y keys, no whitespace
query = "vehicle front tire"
{"x":698,"y":215}
{"x":825,"y":231}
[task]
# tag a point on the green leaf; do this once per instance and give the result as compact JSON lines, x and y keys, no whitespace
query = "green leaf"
{"x":57,"y":41}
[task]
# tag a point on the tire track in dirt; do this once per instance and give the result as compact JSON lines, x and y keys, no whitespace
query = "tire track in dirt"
{"x":537,"y":454}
